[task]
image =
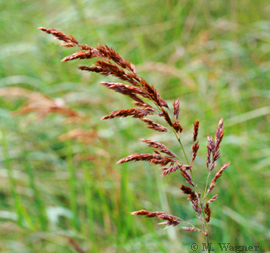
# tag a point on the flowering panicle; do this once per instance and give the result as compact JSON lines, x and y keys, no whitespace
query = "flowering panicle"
{"x":148,"y":102}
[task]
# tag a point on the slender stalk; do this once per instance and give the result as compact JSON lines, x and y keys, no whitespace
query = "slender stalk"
{"x":199,"y":199}
{"x":199,"y":230}
{"x":207,"y":243}
{"x":182,"y":147}
{"x":206,"y":185}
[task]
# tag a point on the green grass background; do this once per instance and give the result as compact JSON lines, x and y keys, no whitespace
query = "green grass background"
{"x":213,"y":54}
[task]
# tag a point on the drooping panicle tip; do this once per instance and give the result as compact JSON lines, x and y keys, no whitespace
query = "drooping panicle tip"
{"x":220,"y":122}
{"x":46,"y":30}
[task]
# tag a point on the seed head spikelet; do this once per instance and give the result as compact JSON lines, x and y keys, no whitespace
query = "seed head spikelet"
{"x":176,"y":108}
{"x":218,"y":175}
{"x":196,"y":130}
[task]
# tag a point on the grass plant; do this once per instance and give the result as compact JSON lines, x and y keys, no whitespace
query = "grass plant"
{"x":213,"y":53}
{"x":111,"y":63}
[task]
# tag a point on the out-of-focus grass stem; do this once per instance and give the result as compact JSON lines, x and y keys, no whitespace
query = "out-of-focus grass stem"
{"x":38,"y":202}
{"x":15,"y":195}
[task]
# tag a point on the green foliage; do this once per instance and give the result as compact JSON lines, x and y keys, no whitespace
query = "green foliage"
{"x":214,"y":55}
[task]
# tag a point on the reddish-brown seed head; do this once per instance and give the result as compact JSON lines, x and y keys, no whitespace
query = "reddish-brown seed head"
{"x":176,"y":108}
{"x":196,"y":130}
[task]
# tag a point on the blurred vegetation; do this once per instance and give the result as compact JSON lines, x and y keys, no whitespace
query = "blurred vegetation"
{"x":212,"y":54}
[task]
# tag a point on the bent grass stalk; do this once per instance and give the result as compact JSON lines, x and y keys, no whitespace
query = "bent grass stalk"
{"x":149,"y":103}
